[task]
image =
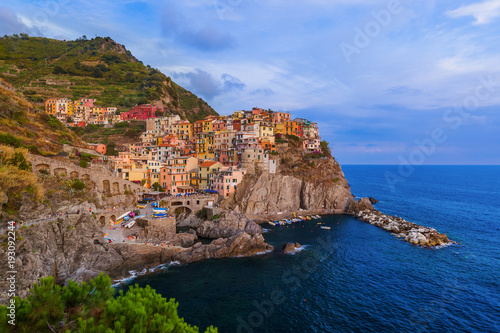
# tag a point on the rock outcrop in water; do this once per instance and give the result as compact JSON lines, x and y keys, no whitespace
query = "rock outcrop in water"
{"x":290,"y":247}
{"x":408,"y":231}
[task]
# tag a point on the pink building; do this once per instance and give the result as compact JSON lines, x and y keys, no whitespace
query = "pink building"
{"x":141,"y":112}
{"x":100,"y":148}
{"x":312,"y":145}
{"x":279,"y":117}
{"x":227,"y":179}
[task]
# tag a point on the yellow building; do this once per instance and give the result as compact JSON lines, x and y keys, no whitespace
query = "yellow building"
{"x":51,"y":106}
{"x":279,"y":128}
{"x":265,"y":130}
{"x":183,"y":129}
{"x":206,"y":173}
{"x":205,"y":146}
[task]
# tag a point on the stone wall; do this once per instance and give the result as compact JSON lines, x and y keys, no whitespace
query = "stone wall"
{"x":103,"y":180}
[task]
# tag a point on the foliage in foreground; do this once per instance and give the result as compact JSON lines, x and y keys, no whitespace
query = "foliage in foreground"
{"x":91,"y":308}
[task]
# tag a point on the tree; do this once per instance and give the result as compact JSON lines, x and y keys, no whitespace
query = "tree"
{"x":157,"y":187}
{"x":325,"y":149}
{"x":143,"y":181}
{"x":90,"y":307}
{"x":69,"y":120}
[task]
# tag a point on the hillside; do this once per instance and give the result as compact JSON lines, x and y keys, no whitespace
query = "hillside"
{"x":21,"y":125}
{"x":98,"y":68}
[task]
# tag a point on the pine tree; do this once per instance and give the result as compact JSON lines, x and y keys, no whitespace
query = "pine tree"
{"x":91,"y":308}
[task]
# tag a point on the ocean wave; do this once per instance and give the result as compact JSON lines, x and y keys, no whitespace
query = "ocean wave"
{"x":134,"y":273}
{"x":298,"y":249}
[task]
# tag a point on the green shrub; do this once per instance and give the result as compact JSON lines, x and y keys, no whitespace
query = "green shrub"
{"x":83,"y":163}
{"x":77,"y":184}
{"x":11,"y":140}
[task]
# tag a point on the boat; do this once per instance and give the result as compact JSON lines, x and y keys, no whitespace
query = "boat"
{"x":126,"y":218}
{"x":272,"y":223}
{"x":325,"y":227}
{"x":121,"y":217}
{"x":130,"y":224}
{"x":308,"y":218}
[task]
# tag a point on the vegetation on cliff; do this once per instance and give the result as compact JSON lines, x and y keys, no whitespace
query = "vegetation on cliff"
{"x":22,"y":126}
{"x":96,"y":68}
{"x":90,"y":307}
{"x":16,"y":178}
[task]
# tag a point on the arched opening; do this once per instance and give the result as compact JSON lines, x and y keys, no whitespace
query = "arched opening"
{"x":113,"y":218}
{"x":106,"y":187}
{"x":40,"y":167}
{"x":85,"y":177}
{"x":60,"y":172}
{"x":74,"y":174}
{"x":181,"y":210}
{"x":102,"y":219}
{"x":116,"y":188}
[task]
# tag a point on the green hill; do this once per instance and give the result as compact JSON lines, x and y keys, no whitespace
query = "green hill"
{"x":99,"y":68}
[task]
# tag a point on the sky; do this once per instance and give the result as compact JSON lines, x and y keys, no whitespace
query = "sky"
{"x":388,"y":82}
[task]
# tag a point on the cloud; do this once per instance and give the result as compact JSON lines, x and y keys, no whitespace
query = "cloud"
{"x":182,"y":31}
{"x":207,"y":85}
{"x":11,"y":23}
{"x":484,"y":12}
{"x":402,"y":90}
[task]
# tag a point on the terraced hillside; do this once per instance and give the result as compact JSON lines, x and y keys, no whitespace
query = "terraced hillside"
{"x":98,"y":68}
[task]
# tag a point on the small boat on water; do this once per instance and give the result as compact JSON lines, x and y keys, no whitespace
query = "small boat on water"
{"x":272,"y":223}
{"x":130,"y":224}
{"x":325,"y":227}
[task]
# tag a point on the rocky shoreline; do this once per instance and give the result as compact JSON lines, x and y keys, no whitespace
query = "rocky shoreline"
{"x":405,"y":230}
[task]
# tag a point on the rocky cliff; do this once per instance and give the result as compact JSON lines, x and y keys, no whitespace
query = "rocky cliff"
{"x":74,"y":248}
{"x":300,"y":183}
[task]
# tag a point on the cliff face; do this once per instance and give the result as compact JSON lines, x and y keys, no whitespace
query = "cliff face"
{"x":300,"y":183}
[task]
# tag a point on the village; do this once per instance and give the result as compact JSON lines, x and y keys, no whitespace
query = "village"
{"x":177,"y":157}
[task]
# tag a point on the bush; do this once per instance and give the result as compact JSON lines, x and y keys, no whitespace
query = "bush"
{"x":77,"y":184}
{"x":9,"y":139}
{"x":83,"y":163}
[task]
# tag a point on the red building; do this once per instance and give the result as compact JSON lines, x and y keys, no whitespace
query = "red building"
{"x":141,"y":112}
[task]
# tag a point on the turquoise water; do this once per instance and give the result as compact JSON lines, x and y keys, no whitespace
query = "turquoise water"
{"x":357,"y":277}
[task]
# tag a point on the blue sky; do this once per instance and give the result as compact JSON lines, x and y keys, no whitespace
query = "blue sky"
{"x":382,"y":78}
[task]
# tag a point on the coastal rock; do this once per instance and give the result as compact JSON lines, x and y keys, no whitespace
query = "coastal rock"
{"x":242,"y":244}
{"x":373,"y":200}
{"x":410,"y":232}
{"x":290,"y":247}
{"x":189,"y":220}
{"x":274,"y":193}
{"x":365,"y":204}
{"x":229,"y":224}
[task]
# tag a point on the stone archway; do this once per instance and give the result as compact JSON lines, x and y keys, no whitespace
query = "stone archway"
{"x":74,"y":174}
{"x":181,"y":210}
{"x":113,"y":218}
{"x":60,"y":172}
{"x":106,"y":188}
{"x":85,"y":177}
{"x":40,"y":167}
{"x":102,"y":219}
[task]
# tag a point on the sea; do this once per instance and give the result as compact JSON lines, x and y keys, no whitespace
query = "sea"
{"x":356,"y":277}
